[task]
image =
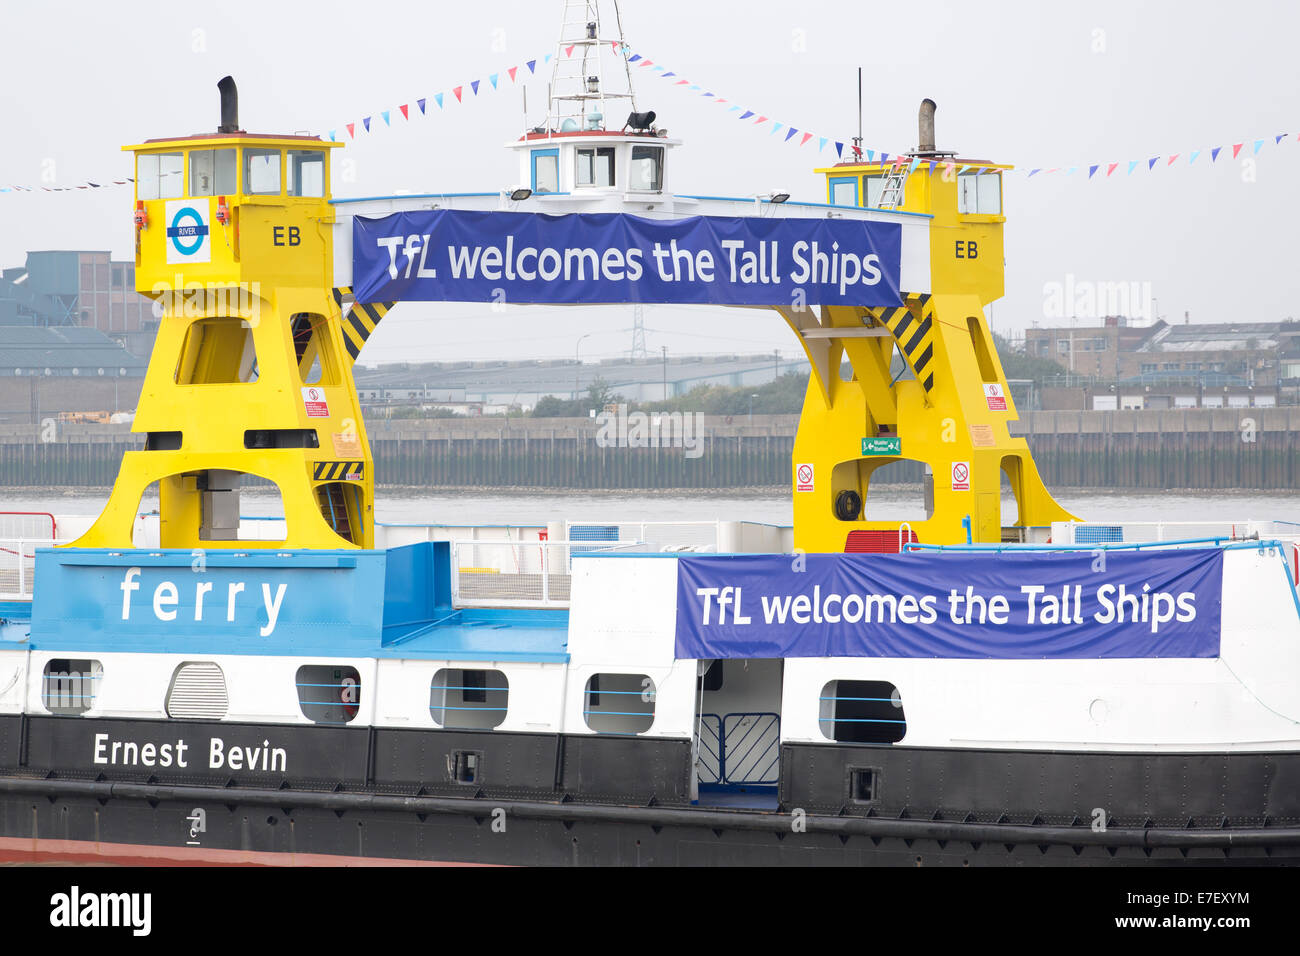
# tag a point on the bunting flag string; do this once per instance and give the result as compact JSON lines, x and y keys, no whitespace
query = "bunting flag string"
{"x":87,"y":184}
{"x":461,"y":93}
{"x":783,"y":133}
{"x":844,"y":149}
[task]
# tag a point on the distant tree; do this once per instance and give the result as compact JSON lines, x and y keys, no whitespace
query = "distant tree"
{"x":1016,"y":363}
{"x":599,"y":394}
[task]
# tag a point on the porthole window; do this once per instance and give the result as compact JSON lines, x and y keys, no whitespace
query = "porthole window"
{"x":469,"y":699}
{"x":862,"y":712}
{"x":619,"y":703}
{"x":198,"y":691}
{"x":329,"y":693}
{"x":69,"y":687}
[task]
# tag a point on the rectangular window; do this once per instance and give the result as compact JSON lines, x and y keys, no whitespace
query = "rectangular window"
{"x":305,"y":172}
{"x":875,"y":186}
{"x":596,"y":166}
{"x":262,"y":172}
{"x":647,"y":169}
{"x":212,"y":172}
{"x":546,"y":170}
{"x":979,"y":194}
{"x":469,"y":699}
{"x":1063,"y":345}
{"x":862,"y":711}
{"x":844,"y":192}
{"x":68,"y":686}
{"x":160,"y":176}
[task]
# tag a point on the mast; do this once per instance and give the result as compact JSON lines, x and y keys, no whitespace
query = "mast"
{"x":583,"y":88}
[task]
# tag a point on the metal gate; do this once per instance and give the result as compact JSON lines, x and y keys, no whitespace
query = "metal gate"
{"x":740,"y":748}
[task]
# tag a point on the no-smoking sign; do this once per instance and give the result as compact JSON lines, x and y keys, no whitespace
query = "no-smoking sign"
{"x":961,"y":476}
{"x":803,"y":477}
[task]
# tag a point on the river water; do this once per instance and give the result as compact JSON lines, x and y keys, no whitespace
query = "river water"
{"x":471,"y":507}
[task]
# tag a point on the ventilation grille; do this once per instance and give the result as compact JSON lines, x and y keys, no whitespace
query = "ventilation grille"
{"x":199,"y":691}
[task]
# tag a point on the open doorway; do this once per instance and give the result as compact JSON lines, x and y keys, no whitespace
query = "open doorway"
{"x":738,"y":732}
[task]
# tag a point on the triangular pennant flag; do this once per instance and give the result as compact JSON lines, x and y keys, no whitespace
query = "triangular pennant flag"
{"x":650,"y":63}
{"x":733,"y":109}
{"x":760,"y":120}
{"x":1191,"y":159}
{"x":804,"y":139}
{"x":366,"y":122}
{"x":1214,"y":154}
{"x":420,"y":104}
{"x":658,"y":69}
{"x":720,"y":99}
{"x":821,"y":143}
{"x":747,"y":114}
{"x":963,"y":169}
{"x":405,"y":114}
{"x":474,"y":84}
{"x":1111,"y":168}
{"x":437,"y":98}
{"x":1132,"y":166}
{"x":1278,"y":138}
{"x":1236,"y":148}
{"x":633,"y":58}
{"x":457,"y":92}
{"x":1151,"y":163}
{"x":871,"y":154}
{"x":493,"y":79}
{"x":331,"y":136}
{"x":668,"y":74}
{"x":776,"y":127}
{"x":681,"y":82}
{"x":547,"y":59}
{"x":1258,"y":144}
{"x":791,"y":132}
{"x":512,"y":72}
{"x":839,"y":149}
{"x":916,"y":161}
{"x":692,"y":87}
{"x":568,"y":50}
{"x":884,"y":157}
{"x":707,"y":94}
{"x":1072,"y":170}
{"x":384,"y":114}
{"x":532,"y":66}
{"x":1033,"y":172}
{"x":1172,"y":158}
{"x":352,"y":131}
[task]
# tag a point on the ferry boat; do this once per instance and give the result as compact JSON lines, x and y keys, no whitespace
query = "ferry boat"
{"x":197,"y":686}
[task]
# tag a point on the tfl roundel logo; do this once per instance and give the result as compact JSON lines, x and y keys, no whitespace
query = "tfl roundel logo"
{"x":188,"y":233}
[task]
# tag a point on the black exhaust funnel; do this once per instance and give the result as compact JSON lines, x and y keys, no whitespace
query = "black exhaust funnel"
{"x":229,"y":105}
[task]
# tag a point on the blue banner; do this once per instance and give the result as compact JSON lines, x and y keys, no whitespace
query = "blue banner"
{"x":451,"y":255}
{"x":1027,"y":605}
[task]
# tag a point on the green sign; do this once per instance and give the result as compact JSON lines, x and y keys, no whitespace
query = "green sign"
{"x":882,"y":446}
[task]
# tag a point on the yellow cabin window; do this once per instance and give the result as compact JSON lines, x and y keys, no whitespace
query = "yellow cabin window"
{"x":262,"y":172}
{"x":304,"y":171}
{"x":160,"y":176}
{"x":212,"y":172}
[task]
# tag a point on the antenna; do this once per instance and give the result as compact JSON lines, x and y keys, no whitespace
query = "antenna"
{"x":857,"y":140}
{"x":638,"y":333}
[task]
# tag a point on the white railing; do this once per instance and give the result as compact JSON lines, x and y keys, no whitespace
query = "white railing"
{"x":653,"y":535}
{"x":1116,"y":532}
{"x":519,"y":573}
{"x":27,"y":524}
{"x":18,"y":566}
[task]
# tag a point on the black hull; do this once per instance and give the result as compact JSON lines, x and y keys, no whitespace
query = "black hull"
{"x":562,"y":800}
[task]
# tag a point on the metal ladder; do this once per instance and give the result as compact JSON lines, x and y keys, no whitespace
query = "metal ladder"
{"x":891,"y":194}
{"x":334,"y":508}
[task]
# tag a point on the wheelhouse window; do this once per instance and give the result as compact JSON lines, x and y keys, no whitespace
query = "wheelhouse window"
{"x":979,"y":194}
{"x":160,"y":176}
{"x":875,"y":185}
{"x":844,"y":192}
{"x":305,"y":172}
{"x":68,"y":687}
{"x":262,"y":172}
{"x":862,"y":712}
{"x":212,"y":172}
{"x":647,"y":169}
{"x":596,"y":166}
{"x":546,"y":170}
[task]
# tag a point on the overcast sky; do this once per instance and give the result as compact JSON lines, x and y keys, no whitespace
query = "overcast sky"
{"x":1030,"y":83}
